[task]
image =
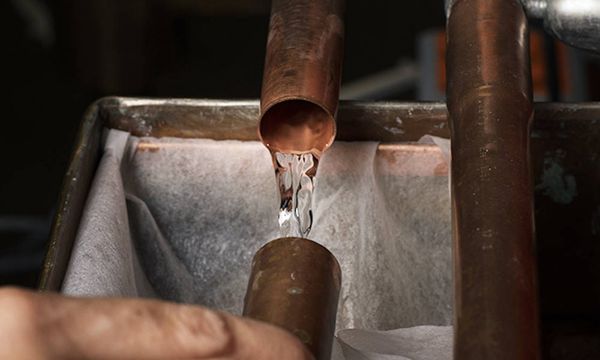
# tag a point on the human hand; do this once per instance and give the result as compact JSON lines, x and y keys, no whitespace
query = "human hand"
{"x":49,"y":326}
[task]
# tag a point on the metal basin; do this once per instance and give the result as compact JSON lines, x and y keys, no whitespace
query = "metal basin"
{"x":565,"y":159}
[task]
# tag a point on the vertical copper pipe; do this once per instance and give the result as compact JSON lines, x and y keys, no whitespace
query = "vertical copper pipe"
{"x":302,"y":75}
{"x":490,"y":107}
{"x":295,"y":284}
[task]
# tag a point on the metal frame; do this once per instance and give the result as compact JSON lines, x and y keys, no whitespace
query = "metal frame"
{"x":386,"y":122}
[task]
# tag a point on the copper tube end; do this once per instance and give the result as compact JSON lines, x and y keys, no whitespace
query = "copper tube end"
{"x":301,"y":81}
{"x":297,"y":126}
{"x":295,"y":284}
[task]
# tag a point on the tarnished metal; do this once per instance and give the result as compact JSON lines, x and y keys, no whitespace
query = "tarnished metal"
{"x":295,"y":284}
{"x":73,"y":195}
{"x":237,"y":120}
{"x":302,"y":75}
{"x":490,"y":111}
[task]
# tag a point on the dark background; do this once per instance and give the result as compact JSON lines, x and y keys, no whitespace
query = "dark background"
{"x":61,"y":55}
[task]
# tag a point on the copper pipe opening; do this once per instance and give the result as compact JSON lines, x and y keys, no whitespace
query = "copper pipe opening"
{"x":301,"y":81}
{"x":297,"y":126}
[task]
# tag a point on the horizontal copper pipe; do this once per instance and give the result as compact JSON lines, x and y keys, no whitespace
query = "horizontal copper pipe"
{"x":302,"y":73}
{"x":490,"y":111}
{"x":295,"y":284}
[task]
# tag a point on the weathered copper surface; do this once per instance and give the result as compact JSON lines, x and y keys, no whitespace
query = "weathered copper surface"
{"x":302,"y":75}
{"x":490,"y":111}
{"x":295,"y":284}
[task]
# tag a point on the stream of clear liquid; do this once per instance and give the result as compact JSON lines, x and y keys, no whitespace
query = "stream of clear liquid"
{"x":295,"y":175}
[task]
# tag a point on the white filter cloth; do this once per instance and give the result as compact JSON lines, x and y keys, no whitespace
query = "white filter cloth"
{"x":180,"y":219}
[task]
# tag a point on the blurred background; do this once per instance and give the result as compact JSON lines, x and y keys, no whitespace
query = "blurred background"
{"x":61,"y":55}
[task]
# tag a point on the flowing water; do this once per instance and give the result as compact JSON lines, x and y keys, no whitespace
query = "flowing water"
{"x":295,"y":177}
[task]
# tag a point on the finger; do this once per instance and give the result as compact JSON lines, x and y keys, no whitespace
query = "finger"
{"x":73,"y":328}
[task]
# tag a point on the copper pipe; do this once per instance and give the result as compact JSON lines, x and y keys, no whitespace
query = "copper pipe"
{"x":302,"y":73}
{"x":295,"y":284}
{"x":490,"y":109}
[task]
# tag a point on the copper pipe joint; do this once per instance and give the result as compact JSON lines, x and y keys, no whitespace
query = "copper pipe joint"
{"x":295,"y":284}
{"x":302,"y":73}
{"x":490,"y":111}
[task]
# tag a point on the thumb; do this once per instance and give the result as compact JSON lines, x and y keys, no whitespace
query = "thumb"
{"x":86,"y":328}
